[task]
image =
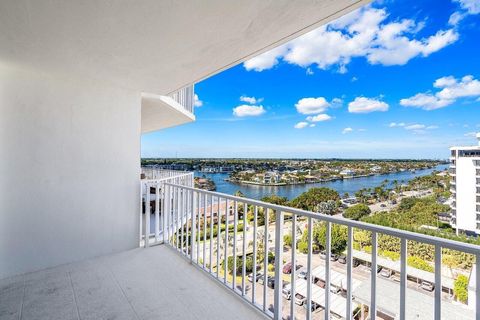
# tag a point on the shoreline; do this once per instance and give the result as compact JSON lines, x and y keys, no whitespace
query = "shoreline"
{"x":283,"y":184}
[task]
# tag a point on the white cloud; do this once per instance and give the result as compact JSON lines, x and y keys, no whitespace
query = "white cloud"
{"x":395,"y":124}
{"x":415,"y":127}
{"x":420,"y":128}
{"x":366,"y":105}
{"x":470,"y":134}
{"x":425,"y":101}
{"x":347,"y":130}
{"x":312,"y":125}
{"x":319,"y":118}
{"x":309,"y":72}
{"x":301,"y":125}
{"x":312,"y":105}
{"x":452,"y":90}
{"x":196,"y":101}
{"x":466,"y":87}
{"x":471,"y":6}
{"x":455,"y":18}
{"x":362,"y":33}
{"x":251,"y":100}
{"x":248,"y":111}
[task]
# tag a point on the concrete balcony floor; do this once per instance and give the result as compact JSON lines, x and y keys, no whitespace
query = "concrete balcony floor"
{"x":154,"y":283}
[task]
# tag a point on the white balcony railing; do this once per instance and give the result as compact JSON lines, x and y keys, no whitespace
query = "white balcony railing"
{"x":185,"y":97}
{"x":209,"y":227}
{"x":152,"y":173}
{"x":151,"y":190}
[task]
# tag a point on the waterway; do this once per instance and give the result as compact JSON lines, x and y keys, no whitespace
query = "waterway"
{"x":349,"y":186}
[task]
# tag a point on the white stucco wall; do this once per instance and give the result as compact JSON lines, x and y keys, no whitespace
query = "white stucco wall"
{"x":466,"y":194}
{"x":69,"y":169}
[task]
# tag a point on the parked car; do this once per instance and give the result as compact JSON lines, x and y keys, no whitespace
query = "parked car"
{"x":335,"y":289}
{"x":260,"y":279}
{"x":386,"y":273}
{"x":271,"y":282}
{"x":427,"y":286}
{"x":287,"y":291}
{"x":314,"y":306}
{"x":369,"y":268}
{"x":395,"y":277}
{"x":319,"y":282}
{"x":343,"y":260}
{"x":287,"y":268}
{"x":299,"y":299}
{"x":302,"y":274}
{"x":323,"y":255}
{"x":383,"y":205}
{"x":250,"y":276}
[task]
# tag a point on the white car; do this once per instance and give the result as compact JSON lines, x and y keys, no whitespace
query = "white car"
{"x":427,"y":286}
{"x":287,"y":291}
{"x":302,"y":273}
{"x":250,"y":276}
{"x":299,"y":299}
{"x":386,"y":273}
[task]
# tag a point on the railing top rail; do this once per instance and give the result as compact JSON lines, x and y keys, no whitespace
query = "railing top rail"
{"x":409,"y":235}
{"x":164,"y":179}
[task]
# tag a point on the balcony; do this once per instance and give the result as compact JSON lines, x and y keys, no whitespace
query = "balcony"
{"x":182,"y":275}
{"x":343,"y":290}
{"x":160,"y":112}
{"x":136,"y":284}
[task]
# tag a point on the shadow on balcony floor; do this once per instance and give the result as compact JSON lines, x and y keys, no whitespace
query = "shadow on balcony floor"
{"x":153,"y":283}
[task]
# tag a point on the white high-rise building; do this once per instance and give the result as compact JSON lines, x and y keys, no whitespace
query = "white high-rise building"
{"x":465,"y":186}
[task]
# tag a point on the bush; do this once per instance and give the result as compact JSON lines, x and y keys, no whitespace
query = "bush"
{"x":418,"y":263}
{"x":287,"y":240}
{"x":248,"y":264}
{"x":357,"y":211}
{"x":271,"y":257}
{"x":390,"y":254}
{"x":302,"y":246}
{"x":460,"y":288}
{"x":274,"y":199}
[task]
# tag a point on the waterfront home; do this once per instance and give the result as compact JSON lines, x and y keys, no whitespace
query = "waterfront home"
{"x":347,"y":173}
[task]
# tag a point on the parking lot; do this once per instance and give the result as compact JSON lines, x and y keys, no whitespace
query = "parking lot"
{"x":361,"y":274}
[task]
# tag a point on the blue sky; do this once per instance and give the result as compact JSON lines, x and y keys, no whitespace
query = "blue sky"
{"x":395,"y":79}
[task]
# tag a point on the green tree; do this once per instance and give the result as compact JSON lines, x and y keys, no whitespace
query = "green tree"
{"x":310,"y":199}
{"x":362,"y":237}
{"x":460,"y":288}
{"x":338,"y":239}
{"x":357,"y":211}
{"x":329,"y":207}
{"x":274,"y":199}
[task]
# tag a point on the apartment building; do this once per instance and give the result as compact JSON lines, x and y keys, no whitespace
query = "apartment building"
{"x":465,"y":187}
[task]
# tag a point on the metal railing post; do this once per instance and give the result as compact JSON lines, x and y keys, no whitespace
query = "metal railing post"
{"x":277,"y":314}
{"x":147,"y":216}
{"x":157,"y":212}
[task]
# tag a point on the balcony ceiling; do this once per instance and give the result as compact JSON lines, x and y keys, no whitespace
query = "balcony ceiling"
{"x":150,"y":45}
